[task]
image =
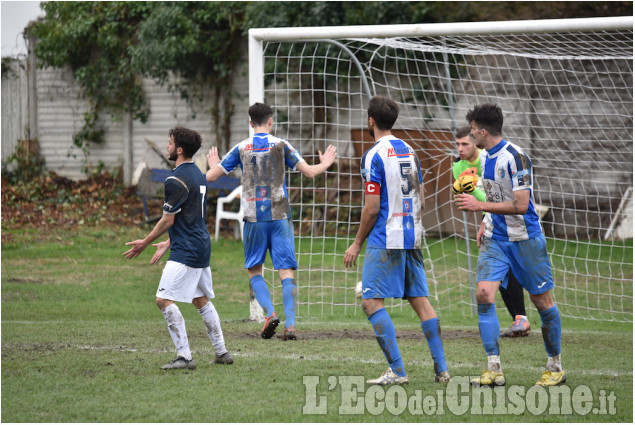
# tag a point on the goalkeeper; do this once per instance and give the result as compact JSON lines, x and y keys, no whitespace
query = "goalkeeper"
{"x":466,"y":170}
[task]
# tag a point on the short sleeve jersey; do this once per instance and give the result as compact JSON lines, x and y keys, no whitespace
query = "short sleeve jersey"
{"x":507,"y":169}
{"x":185,"y":197}
{"x":262,"y":158}
{"x":391,"y":169}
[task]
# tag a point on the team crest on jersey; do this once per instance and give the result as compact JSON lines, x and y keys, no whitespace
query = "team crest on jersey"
{"x":406,"y":208}
{"x":501,"y":172}
{"x":262,"y":191}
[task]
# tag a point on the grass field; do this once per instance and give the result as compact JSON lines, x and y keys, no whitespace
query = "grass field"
{"x":82,"y":341}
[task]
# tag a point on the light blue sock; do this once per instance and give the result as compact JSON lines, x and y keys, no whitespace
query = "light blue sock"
{"x":551,"y":330}
{"x":261,"y":292}
{"x":385,"y":334}
{"x":432,"y":331}
{"x":489,"y":327}
{"x":289,"y":297}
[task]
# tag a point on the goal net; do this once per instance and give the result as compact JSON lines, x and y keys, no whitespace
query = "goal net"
{"x":566,"y":91}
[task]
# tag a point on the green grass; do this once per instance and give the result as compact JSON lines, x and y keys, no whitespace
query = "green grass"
{"x":82,"y":341}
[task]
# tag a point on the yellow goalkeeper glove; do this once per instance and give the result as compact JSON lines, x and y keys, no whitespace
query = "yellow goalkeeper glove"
{"x":466,"y":182}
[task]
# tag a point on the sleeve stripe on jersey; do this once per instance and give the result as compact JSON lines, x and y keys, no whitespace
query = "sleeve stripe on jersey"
{"x":178,"y":180}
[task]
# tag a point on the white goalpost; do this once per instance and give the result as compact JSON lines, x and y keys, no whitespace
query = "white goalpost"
{"x":566,"y":90}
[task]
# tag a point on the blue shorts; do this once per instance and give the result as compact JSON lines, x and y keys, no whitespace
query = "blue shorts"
{"x":275,"y":236}
{"x":393,"y":273}
{"x":527,"y":260}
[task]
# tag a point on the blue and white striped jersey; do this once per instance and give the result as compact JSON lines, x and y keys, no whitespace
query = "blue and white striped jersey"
{"x":392,"y":169}
{"x":262,"y":158}
{"x":506,"y":169}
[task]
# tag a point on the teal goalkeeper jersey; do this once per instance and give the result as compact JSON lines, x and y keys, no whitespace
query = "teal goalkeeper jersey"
{"x":461,"y":165}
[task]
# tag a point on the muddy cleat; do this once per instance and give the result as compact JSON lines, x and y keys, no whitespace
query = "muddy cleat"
{"x":442,"y":377}
{"x":180,"y":363}
{"x":289,"y":333}
{"x":224,"y":359}
{"x":269,"y":329}
{"x":507,"y":333}
{"x":549,"y":379}
{"x":520,"y":327}
{"x":389,"y":378}
{"x":489,"y":379}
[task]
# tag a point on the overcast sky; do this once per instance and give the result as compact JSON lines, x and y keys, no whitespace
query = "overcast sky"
{"x":15,"y":16}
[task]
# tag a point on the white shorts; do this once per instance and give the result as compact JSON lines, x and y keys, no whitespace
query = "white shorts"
{"x":182,"y":283}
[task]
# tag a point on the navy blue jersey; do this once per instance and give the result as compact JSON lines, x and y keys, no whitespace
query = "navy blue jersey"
{"x":186,"y":198}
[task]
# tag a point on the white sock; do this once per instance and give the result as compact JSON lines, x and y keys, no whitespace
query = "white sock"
{"x":176,"y":326}
{"x":553,"y":364}
{"x":494,"y":364}
{"x":212,"y":324}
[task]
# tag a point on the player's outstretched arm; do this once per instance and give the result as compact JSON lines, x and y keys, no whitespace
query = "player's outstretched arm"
{"x":137,"y":247}
{"x":213,"y":160}
{"x":162,"y":248}
{"x":326,"y":160}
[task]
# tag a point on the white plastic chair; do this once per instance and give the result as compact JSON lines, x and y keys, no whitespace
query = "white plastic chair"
{"x":229,"y":215}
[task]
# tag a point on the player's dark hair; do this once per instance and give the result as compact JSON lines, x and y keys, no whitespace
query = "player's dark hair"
{"x":462,"y":132}
{"x":384,"y":111}
{"x":188,"y":140}
{"x":259,"y":113}
{"x":487,"y":116}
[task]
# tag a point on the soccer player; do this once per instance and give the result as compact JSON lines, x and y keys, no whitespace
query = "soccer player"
{"x":187,"y":276}
{"x":267,"y":213}
{"x":510,"y":240}
{"x":391,"y":223}
{"x":470,"y":157}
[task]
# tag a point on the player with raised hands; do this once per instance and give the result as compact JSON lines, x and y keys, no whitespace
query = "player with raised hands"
{"x":263,"y":159}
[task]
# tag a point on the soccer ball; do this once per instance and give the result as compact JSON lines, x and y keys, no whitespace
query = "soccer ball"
{"x":358,"y":289}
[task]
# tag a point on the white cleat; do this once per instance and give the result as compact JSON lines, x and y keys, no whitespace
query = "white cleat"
{"x":389,"y":378}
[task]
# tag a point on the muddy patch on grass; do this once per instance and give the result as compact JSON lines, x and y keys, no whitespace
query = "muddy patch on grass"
{"x":354,"y":334}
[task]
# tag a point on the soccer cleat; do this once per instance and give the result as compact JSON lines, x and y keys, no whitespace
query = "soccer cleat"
{"x":520,"y":327}
{"x":289,"y":333}
{"x":442,"y":377}
{"x":269,"y":329}
{"x":389,"y":378}
{"x":549,"y":379}
{"x":489,"y":379}
{"x":224,"y":359}
{"x":180,"y":363}
{"x":507,"y":333}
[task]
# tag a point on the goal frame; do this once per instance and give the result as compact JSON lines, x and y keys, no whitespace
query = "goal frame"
{"x":259,"y":36}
